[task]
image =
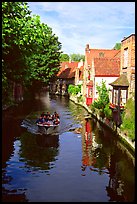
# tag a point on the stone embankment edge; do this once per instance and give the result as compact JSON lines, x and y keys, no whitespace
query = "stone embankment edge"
{"x":109,"y":124}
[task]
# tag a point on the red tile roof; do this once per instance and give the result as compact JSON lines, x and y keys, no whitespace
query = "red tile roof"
{"x":106,"y":53}
{"x":67,"y":70}
{"x":107,"y":67}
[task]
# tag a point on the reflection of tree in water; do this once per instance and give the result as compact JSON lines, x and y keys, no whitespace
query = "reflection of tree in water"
{"x":38,"y":151}
{"x":102,"y":155}
{"x":13,"y":196}
{"x":121,"y":181}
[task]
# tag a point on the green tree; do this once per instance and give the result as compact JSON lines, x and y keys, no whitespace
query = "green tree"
{"x":30,"y":51}
{"x":64,"y":57}
{"x":74,"y":89}
{"x":117,"y":46}
{"x":77,"y":57}
{"x":102,"y":102}
{"x":128,"y":124}
{"x":103,"y":96}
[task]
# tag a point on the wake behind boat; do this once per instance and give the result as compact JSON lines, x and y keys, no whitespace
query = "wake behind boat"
{"x":48,"y":124}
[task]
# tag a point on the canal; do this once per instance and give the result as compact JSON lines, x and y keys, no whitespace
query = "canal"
{"x":82,"y":162}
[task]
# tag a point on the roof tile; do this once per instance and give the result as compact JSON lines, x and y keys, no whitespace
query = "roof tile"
{"x":107,"y":67}
{"x":68,"y":72}
{"x":121,"y":81}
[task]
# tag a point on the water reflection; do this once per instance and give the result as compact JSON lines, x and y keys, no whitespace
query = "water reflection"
{"x":39,"y":150}
{"x":47,"y":140}
{"x":13,"y":196}
{"x":102,"y":171}
{"x":100,"y":154}
{"x":91,"y":149}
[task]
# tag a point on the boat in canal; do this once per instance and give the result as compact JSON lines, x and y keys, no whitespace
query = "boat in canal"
{"x":48,"y":129}
{"x":48,"y":124}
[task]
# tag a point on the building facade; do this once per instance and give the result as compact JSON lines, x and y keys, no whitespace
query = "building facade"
{"x":128,"y":62}
{"x":65,"y":76}
{"x":100,"y":64}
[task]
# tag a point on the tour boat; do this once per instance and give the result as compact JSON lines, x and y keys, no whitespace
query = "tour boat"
{"x":48,"y":128}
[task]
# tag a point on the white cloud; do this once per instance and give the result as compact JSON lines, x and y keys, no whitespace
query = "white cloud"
{"x":101,"y":24}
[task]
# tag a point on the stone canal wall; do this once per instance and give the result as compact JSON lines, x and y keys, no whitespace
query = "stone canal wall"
{"x":108,"y":123}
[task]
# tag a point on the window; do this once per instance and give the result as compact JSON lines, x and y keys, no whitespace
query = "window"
{"x":116,"y":97}
{"x":90,"y":92}
{"x":125,"y":58}
{"x":132,"y":83}
{"x":123,"y":97}
{"x":101,"y":54}
{"x":125,"y":73}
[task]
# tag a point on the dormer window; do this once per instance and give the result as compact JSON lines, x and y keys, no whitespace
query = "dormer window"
{"x":101,"y":54}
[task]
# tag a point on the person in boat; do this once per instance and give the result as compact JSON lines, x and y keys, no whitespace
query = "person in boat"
{"x":40,"y":120}
{"x":48,"y":114}
{"x":46,"y":120}
{"x":42,"y":114}
{"x":55,"y":115}
{"x":56,"y":119}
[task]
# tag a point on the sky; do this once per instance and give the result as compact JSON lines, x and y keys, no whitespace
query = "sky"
{"x":99,"y":24}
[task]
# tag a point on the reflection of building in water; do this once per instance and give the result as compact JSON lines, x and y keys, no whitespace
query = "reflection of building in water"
{"x":95,"y":145}
{"x":115,"y":186}
{"x":88,"y":133}
{"x":88,"y":158}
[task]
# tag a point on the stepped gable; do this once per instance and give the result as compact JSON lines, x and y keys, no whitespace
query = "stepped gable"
{"x":67,"y":70}
{"x":107,"y":67}
{"x":81,"y":72}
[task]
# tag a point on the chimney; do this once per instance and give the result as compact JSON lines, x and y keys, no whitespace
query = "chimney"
{"x":87,"y":48}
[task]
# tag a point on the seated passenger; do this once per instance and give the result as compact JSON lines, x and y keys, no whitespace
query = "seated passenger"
{"x":42,"y":114}
{"x":48,"y":114}
{"x":46,"y":118}
{"x":40,"y":120}
{"x":55,"y":115}
{"x":56,"y":121}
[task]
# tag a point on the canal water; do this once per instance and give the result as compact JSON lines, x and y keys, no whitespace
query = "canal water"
{"x":82,"y":162}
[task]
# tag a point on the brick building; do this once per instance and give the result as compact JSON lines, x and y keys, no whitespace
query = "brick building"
{"x":128,"y":61}
{"x":124,"y":86}
{"x":65,"y":76}
{"x":100,"y":64}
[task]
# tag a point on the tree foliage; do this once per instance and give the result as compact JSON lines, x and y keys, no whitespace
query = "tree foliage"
{"x":74,"y":89}
{"x":77,"y":57}
{"x":64,"y":57}
{"x":102,"y":102}
{"x":103,"y":98}
{"x":117,"y":46}
{"x":128,"y":125}
{"x":30,"y":51}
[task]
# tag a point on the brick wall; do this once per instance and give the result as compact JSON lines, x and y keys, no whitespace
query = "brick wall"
{"x":129,"y":43}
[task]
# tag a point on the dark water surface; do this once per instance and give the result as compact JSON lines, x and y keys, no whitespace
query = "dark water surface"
{"x":80,"y":163}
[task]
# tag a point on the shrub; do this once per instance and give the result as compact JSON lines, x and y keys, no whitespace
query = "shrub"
{"x":102,"y":103}
{"x":128,"y":118}
{"x":73,"y":89}
{"x":108,"y":112}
